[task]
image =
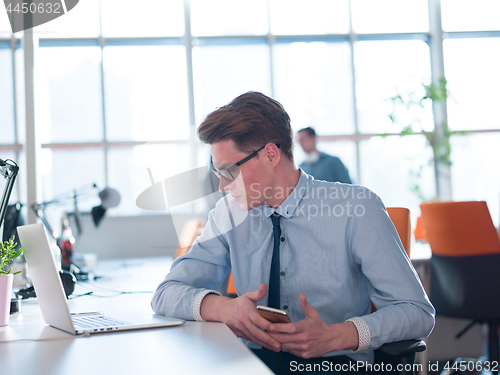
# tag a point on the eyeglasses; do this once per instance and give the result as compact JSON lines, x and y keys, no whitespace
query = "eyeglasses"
{"x":230,"y":174}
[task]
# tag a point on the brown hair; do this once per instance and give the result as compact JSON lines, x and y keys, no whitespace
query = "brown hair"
{"x":309,"y":131}
{"x":251,"y":120}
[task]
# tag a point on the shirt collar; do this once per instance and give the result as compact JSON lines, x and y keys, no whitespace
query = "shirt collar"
{"x":289,"y":205}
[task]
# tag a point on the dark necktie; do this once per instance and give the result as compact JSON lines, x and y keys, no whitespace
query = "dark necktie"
{"x":266,"y":355}
{"x":274,"y":280}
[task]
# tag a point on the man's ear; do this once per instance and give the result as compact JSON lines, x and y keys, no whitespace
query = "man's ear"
{"x":272,"y":153}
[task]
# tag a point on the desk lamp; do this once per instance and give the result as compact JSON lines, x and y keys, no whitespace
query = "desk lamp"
{"x":8,"y":170}
{"x":109,"y":198}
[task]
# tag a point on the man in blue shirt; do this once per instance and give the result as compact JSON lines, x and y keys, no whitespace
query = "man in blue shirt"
{"x":324,"y":249}
{"x":318,"y":164}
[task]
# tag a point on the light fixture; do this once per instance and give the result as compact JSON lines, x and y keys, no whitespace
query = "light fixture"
{"x":65,"y":240}
{"x":109,"y":198}
{"x":8,"y":170}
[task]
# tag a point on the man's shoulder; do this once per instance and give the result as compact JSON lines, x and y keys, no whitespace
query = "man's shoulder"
{"x":339,"y":190}
{"x":330,"y":158}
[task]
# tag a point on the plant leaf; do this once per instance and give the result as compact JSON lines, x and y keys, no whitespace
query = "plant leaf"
{"x":19,"y":252}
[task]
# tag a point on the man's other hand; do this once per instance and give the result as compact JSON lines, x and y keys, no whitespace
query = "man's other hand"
{"x":311,"y":337}
{"x":241,"y":316}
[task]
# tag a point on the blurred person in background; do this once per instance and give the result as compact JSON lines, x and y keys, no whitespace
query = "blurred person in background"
{"x":319,"y":164}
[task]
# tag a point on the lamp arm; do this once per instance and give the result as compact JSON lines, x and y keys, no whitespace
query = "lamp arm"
{"x":78,"y":217}
{"x":79,"y":192}
{"x":5,"y":168}
{"x":38,"y":208}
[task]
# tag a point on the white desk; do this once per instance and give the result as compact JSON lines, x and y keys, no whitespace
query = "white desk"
{"x":29,"y":346}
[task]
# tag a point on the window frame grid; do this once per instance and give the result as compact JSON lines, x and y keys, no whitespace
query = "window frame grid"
{"x":189,"y":42}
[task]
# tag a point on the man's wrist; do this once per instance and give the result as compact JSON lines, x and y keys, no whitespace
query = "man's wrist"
{"x":351,"y":336}
{"x":344,"y":336}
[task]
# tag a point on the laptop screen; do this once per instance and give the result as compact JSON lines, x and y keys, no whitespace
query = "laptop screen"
{"x":45,"y":277}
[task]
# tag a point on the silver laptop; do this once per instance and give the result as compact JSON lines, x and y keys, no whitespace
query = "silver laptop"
{"x":52,"y":299}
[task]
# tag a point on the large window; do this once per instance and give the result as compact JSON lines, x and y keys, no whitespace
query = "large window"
{"x":120,"y":89}
{"x":225,"y":68}
{"x":11,"y":103}
{"x":7,"y":94}
{"x":471,"y":60}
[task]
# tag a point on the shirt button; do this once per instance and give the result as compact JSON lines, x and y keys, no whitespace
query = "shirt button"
{"x":285,"y":307}
{"x":282,"y":239}
{"x":282,"y":273}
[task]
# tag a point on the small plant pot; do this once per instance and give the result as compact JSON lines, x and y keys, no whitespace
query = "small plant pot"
{"x":5,"y":296}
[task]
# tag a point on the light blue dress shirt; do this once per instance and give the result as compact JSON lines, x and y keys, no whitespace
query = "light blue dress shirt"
{"x":339,"y":247}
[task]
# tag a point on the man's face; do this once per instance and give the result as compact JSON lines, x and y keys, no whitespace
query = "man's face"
{"x":308,"y":143}
{"x":248,"y":186}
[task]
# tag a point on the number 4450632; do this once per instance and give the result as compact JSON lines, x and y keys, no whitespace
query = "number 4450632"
{"x":471,"y":366}
{"x":34,"y":8}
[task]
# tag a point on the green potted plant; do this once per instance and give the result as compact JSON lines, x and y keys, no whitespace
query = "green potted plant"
{"x":438,"y":138}
{"x":8,"y":253}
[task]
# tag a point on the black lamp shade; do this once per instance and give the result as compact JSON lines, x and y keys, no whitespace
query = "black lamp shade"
{"x":97,"y":214}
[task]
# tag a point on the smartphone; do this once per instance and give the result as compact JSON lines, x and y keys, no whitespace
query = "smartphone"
{"x":273,"y":315}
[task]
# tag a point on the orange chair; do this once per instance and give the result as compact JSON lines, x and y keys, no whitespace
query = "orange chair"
{"x":419,"y":231}
{"x":400,"y":217}
{"x":465,"y":265}
{"x":460,"y":228}
{"x":231,"y":290}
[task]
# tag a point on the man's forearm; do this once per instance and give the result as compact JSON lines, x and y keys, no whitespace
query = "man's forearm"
{"x":212,"y":307}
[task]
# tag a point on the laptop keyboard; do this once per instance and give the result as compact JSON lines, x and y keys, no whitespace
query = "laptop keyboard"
{"x":98,"y":321}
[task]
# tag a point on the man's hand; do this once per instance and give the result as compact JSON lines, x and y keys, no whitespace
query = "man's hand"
{"x":241,"y":316}
{"x":311,"y":337}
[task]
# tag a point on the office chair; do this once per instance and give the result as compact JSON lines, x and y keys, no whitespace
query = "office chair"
{"x":465,"y":265}
{"x":400,"y":217}
{"x":419,"y":231}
